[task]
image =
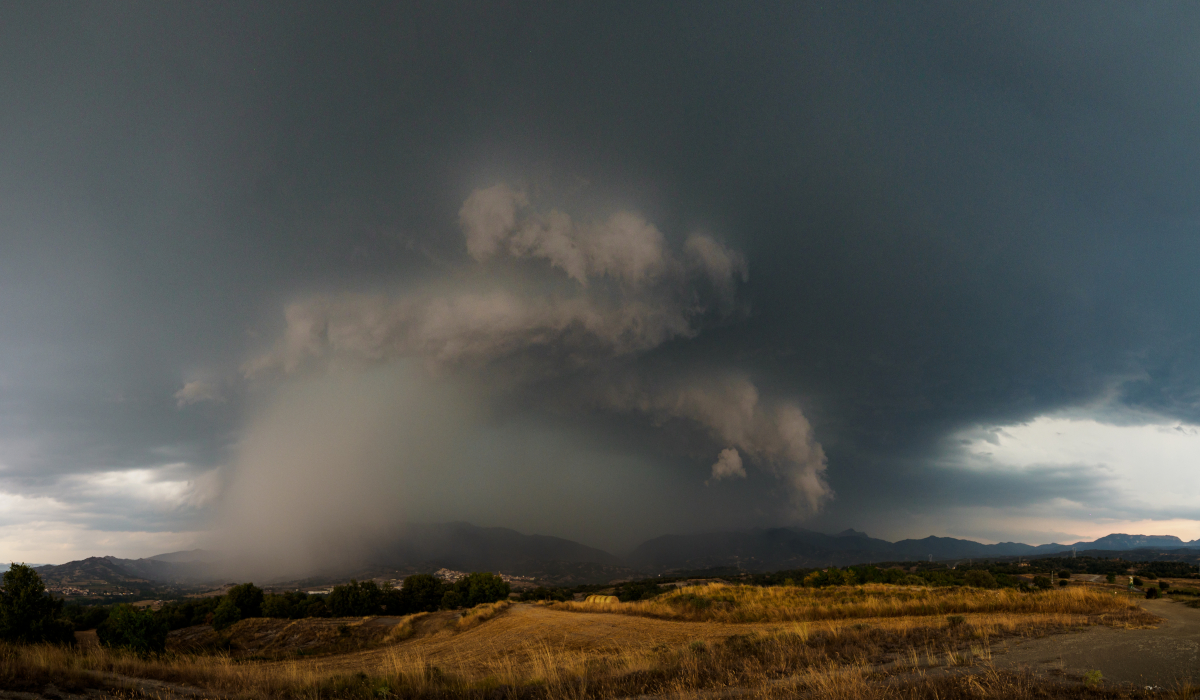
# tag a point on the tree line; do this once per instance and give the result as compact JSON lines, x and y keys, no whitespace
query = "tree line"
{"x":29,"y":614}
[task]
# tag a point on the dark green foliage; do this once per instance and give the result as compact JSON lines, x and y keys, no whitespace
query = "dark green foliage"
{"x":979,"y":578}
{"x":86,"y":617}
{"x":422,"y":593}
{"x":27,"y":612}
{"x":317,"y":608}
{"x":1164,"y":585}
{"x":638,"y":590}
{"x":452,"y":600}
{"x":1152,"y":593}
{"x":1137,"y":581}
{"x":481,"y":587}
{"x":1150,"y":575}
{"x":367,"y":598}
{"x":1042,"y":582}
{"x":289,"y":605}
{"x":1111,"y":577}
{"x":197,"y":611}
{"x":128,"y":627}
{"x":1063,"y":582}
{"x":1064,"y":574}
{"x":226,"y":614}
{"x":247,"y":598}
{"x":1165,"y":569}
{"x":541,"y":593}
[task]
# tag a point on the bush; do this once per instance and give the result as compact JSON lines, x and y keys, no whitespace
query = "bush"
{"x":1137,"y":581}
{"x":27,"y":612}
{"x":542,"y":593}
{"x":1111,"y":578}
{"x":1063,"y":582}
{"x":225,"y":615}
{"x":980,"y":579}
{"x":128,"y":627}
{"x":86,"y":617}
{"x":1164,"y":585}
{"x":1064,"y":574}
{"x":197,"y":611}
{"x":1151,"y":593}
{"x":1041,"y":582}
{"x":643,"y":590}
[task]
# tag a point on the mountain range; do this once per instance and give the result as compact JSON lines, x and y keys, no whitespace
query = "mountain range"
{"x":552,"y":560}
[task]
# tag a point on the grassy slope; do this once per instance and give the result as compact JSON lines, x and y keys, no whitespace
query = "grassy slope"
{"x":547,"y":651}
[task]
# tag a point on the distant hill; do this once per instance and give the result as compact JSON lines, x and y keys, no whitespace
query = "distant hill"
{"x":792,"y":548}
{"x":415,"y":547}
{"x":404,"y":550}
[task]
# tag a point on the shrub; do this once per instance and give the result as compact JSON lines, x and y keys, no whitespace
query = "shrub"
{"x":1063,"y":582}
{"x":1092,"y":678}
{"x":1111,"y":578}
{"x":1041,"y":582}
{"x":128,"y":627}
{"x":1164,"y":585}
{"x":1151,"y":593}
{"x":86,"y":617}
{"x":543,"y":593}
{"x":1151,"y":576}
{"x":1137,"y":581}
{"x":197,"y":611}
{"x":956,"y":620}
{"x":980,"y":579}
{"x":1064,"y":574}
{"x":225,"y":615}
{"x":27,"y":612}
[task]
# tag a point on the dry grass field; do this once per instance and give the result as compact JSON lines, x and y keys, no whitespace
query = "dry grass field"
{"x":709,"y":641}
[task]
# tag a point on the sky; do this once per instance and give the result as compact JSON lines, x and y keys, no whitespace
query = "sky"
{"x":272,"y":274}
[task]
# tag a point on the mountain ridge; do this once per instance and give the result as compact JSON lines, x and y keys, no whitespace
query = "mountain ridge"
{"x":462,"y":546}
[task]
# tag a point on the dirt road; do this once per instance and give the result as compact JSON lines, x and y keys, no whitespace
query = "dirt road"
{"x":1147,"y":657}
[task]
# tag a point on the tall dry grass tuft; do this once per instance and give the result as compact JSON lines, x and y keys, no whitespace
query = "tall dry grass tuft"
{"x":482,"y":613}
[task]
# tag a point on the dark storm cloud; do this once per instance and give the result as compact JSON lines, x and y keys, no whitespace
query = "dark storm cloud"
{"x":953,"y":214}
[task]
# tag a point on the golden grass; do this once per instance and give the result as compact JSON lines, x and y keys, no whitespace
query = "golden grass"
{"x":482,"y":613}
{"x":556,"y":651}
{"x":719,"y":602}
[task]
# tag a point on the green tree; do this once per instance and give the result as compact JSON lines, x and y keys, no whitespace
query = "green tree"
{"x":980,"y":579}
{"x":226,"y":614}
{"x":359,"y":599}
{"x":27,"y":612}
{"x":247,"y":598}
{"x":1064,"y":574}
{"x":1042,"y":582}
{"x":481,"y":587}
{"x":1111,"y":578}
{"x":422,"y":593}
{"x":128,"y":627}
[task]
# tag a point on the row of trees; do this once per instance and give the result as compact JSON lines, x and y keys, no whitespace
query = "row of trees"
{"x":418,"y":593}
{"x":28,"y":614}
